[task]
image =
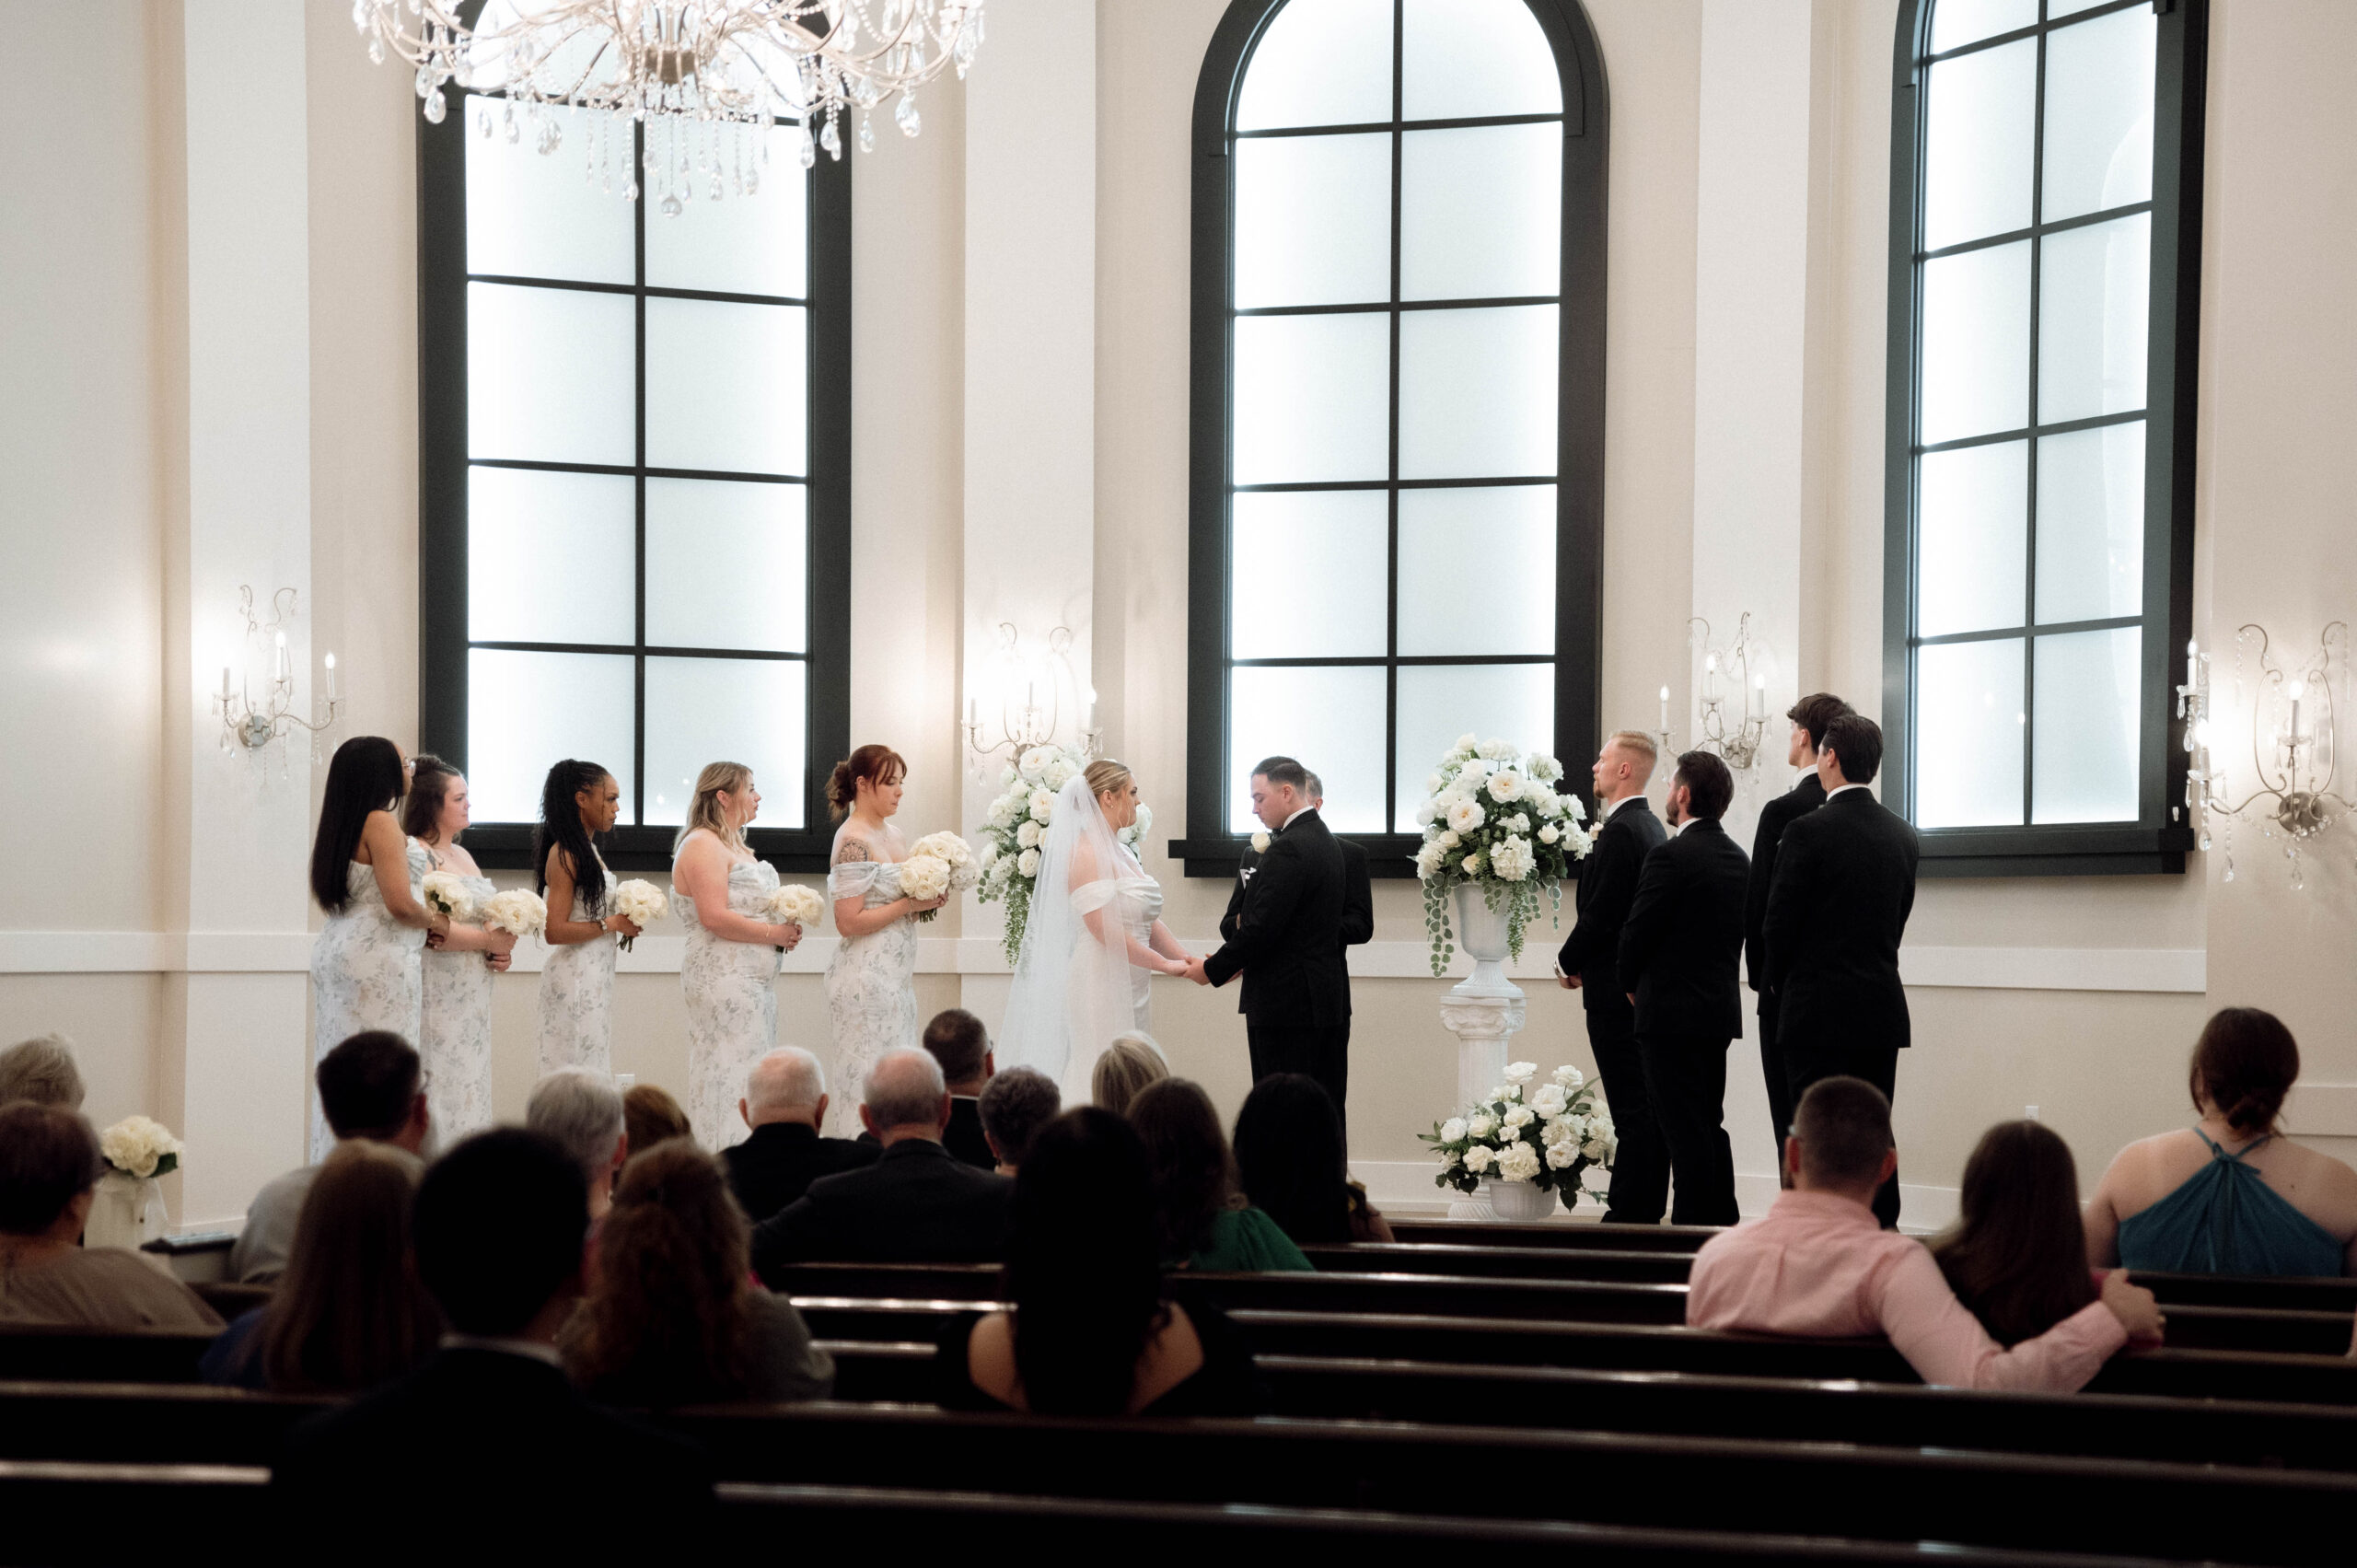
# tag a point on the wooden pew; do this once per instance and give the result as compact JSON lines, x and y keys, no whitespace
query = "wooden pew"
{"x":1635,"y":1266}
{"x":135,"y":1355}
{"x":1685,"y":1238}
{"x":2243,"y":1291}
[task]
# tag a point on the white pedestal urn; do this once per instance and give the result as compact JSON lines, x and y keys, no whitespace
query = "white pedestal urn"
{"x":1519,"y":1200}
{"x":1484,"y":1011}
{"x":126,"y":1211}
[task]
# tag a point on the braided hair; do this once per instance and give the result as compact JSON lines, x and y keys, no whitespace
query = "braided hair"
{"x":561,"y":830}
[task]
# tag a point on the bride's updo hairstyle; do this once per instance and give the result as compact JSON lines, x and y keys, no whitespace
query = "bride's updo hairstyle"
{"x":705,"y":810}
{"x":1105,"y":775}
{"x":877,"y":764}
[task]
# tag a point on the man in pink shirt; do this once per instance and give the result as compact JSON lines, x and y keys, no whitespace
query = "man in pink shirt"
{"x":1820,"y":1266}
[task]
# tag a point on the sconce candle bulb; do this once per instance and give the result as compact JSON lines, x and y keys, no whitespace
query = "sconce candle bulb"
{"x":1740,"y":747}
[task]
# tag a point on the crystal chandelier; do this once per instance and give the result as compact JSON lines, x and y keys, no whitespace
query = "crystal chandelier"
{"x":709,"y":63}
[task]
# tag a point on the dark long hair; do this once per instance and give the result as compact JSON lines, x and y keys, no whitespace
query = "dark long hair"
{"x":2018,"y":1253}
{"x":1083,"y":1269}
{"x":364,"y":775}
{"x":350,"y":1313}
{"x":1188,"y":1159}
{"x":2245,"y":1061}
{"x":561,"y":828}
{"x":667,"y":1322}
{"x":429,"y":787}
{"x":1289,"y":1154}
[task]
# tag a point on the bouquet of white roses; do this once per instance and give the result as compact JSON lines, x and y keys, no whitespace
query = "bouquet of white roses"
{"x":1018,"y":825}
{"x":642,"y":903}
{"x":793,"y":904}
{"x":938,"y":865}
{"x":1550,"y":1136}
{"x":446,"y":893}
{"x":137,"y":1145}
{"x":1495,"y":820}
{"x":519,"y":911}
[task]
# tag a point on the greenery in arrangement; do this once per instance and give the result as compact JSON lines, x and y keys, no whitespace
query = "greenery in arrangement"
{"x":1549,"y":1137}
{"x":1495,"y":820}
{"x":1018,"y":825}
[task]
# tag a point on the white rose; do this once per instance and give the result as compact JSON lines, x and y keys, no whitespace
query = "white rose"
{"x":1598,"y":1149}
{"x":1504,"y":785}
{"x":1521,"y":1072}
{"x":1027,"y":835}
{"x":1573,"y":809}
{"x":1517,"y":1117}
{"x":1432,"y":783}
{"x":1550,"y":1099}
{"x":1144,"y":824}
{"x":1034,"y":763}
{"x":1043,"y":806}
{"x":1478,"y":1159}
{"x":1261,"y":841}
{"x":1497,"y":750}
{"x":1473,"y":773}
{"x":1514,"y":860}
{"x":1449,"y":839}
{"x":1028,"y":863}
{"x":1570,"y":1077}
{"x":1560,"y":1157}
{"x":1471,"y":864}
{"x":1465,"y":747}
{"x":1545,"y":768}
{"x":1008,"y":775}
{"x":1550,"y":833}
{"x":1480,"y":1125}
{"x":1558,"y":1131}
{"x":1001,"y":813}
{"x":1466,"y":816}
{"x":1425,"y":813}
{"x":138,"y":1144}
{"x":1428,"y":861}
{"x":1060,"y":773}
{"x":1452,"y":1130}
{"x":1519,"y":1162}
{"x":991,"y":856}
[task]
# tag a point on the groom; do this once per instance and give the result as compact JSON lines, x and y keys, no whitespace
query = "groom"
{"x":1288,"y":940}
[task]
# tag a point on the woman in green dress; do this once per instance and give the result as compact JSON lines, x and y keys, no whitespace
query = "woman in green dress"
{"x":1203,"y":1221}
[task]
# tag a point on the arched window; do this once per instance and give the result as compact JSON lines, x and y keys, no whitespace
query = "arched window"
{"x":2044,"y":298}
{"x":1397,"y":401}
{"x":634,"y":468}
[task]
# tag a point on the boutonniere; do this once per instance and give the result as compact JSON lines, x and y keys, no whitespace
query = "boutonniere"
{"x":1261,"y":841}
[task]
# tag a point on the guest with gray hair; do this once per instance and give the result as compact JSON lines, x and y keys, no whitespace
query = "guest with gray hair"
{"x":918,"y":1203}
{"x":41,"y":1070}
{"x":582,"y":1110}
{"x":1015,"y":1106}
{"x":785,"y":1104}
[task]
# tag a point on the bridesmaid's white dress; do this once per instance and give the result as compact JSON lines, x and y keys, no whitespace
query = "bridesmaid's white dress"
{"x":1135,"y":900}
{"x":577,"y":995}
{"x":732,"y":1006}
{"x":365,"y":973}
{"x":455,"y":1035}
{"x":870,"y":989}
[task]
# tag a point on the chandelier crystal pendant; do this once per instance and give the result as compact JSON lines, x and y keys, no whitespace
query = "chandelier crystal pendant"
{"x":705,"y":67}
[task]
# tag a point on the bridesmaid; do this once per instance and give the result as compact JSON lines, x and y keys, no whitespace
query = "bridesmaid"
{"x":364,"y":968}
{"x":722,"y":893}
{"x":871,"y":984}
{"x":454,"y":1035}
{"x":579,"y":801}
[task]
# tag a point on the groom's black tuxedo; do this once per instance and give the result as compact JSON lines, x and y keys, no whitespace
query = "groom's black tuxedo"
{"x":1288,"y":945}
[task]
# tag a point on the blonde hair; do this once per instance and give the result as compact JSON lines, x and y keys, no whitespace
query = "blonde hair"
{"x":1639,"y":742}
{"x":1106,"y":774}
{"x":1129,"y":1065}
{"x":705,"y":810}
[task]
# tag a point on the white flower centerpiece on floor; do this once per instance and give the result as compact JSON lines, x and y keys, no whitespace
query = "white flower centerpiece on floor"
{"x":1016,"y":826}
{"x":128,"y":1208}
{"x":1528,"y":1144}
{"x":1500,"y":836}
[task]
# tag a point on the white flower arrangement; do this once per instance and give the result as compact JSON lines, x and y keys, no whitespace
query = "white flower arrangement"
{"x":1495,"y":820}
{"x":446,"y":892}
{"x":795,"y":904}
{"x":139,"y":1145}
{"x":938,"y":865}
{"x":1549,"y":1137}
{"x":642,"y":903}
{"x":1016,"y":826}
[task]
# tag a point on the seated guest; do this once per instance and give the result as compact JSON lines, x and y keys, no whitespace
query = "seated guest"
{"x":371,"y":1087}
{"x":962,"y":1046}
{"x":2018,"y":1253}
{"x":41,"y":1070}
{"x":1200,"y":1220}
{"x":650,"y":1116}
{"x":785,"y":1104}
{"x":1090,"y":1331}
{"x":2232,"y":1195}
{"x":348,"y":1314}
{"x":1015,"y":1106}
{"x":673,"y":1317}
{"x":1289,"y":1155}
{"x":1129,"y":1065}
{"x":488,"y":1442}
{"x":580,"y":1108}
{"x":1820,"y":1265}
{"x":48,"y":1167}
{"x":918,"y":1203}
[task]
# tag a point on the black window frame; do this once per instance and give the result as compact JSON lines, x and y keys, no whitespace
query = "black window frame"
{"x":1211,"y":848}
{"x":443,"y":461}
{"x":2156,"y":841}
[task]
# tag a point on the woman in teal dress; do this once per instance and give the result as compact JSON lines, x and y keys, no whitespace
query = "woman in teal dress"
{"x":2231,"y":1195}
{"x":1203,"y":1221}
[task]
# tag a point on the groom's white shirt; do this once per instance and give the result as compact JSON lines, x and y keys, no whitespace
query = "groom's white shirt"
{"x":1297,"y":816}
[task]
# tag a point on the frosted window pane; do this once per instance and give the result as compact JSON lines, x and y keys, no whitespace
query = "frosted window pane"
{"x":727,"y":386}
{"x":535,"y":216}
{"x":1470,"y":57}
{"x":2092,"y":319}
{"x":1439,"y":703}
{"x":1307,"y":578}
{"x":1958,"y":22}
{"x":1972,"y":547}
{"x":1976,"y":343}
{"x":727,"y":565}
{"x":550,"y":373}
{"x":756,"y":244}
{"x":550,"y":557}
{"x":1332,"y":719}
{"x":1313,"y":220}
{"x":1477,"y":392}
{"x":2056,"y":9}
{"x":2090,"y":523}
{"x":1981,"y":132}
{"x":1481,"y":212}
{"x":1477,"y":571}
{"x":1319,"y":63}
{"x":1968,"y":735}
{"x":2099,"y":114}
{"x":528,"y":711}
{"x":720,"y":710}
{"x":1311,"y":398}
{"x":2089,"y":695}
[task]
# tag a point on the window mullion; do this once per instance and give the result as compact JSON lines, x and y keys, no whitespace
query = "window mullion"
{"x":638,"y":589}
{"x":2030,"y":502}
{"x":1391,"y":496}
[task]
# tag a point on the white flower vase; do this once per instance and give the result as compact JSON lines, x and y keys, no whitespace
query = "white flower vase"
{"x":126,"y":1211}
{"x":1520,"y":1201}
{"x":1481,"y":931}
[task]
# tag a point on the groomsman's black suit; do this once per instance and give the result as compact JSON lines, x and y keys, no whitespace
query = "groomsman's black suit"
{"x":1801,"y":799}
{"x":1607,"y":886}
{"x":1845,"y":883}
{"x":1288,"y":945}
{"x":1680,"y":956}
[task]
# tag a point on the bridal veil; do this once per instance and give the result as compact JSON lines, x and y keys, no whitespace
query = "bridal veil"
{"x":1072,"y":992}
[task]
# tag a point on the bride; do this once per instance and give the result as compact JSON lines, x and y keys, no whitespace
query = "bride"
{"x":1095,"y":939}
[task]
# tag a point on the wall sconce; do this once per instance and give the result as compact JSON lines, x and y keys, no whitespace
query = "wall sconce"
{"x":1743,"y":663}
{"x":2294,"y":744}
{"x":255,"y":726}
{"x":1031,"y":697}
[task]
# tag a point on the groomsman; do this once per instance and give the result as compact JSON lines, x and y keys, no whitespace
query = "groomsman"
{"x":1627,"y":831}
{"x":1358,"y":893}
{"x":1680,"y":953}
{"x":1844,"y":885}
{"x":1809,"y":716}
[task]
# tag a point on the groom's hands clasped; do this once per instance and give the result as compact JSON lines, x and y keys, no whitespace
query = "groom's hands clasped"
{"x":1194,"y":971}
